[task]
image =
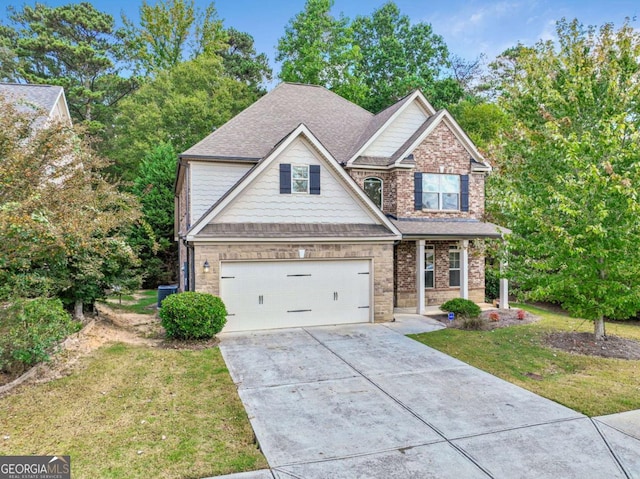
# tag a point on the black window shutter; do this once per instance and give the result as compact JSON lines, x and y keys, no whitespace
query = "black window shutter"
{"x":464,"y":192}
{"x":417,"y":191}
{"x":314,"y":179}
{"x":285,"y":178}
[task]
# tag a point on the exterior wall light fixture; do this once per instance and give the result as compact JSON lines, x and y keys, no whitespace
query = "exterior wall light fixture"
{"x":206,"y":266}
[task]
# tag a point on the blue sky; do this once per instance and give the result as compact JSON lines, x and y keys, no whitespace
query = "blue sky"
{"x":469,"y":28}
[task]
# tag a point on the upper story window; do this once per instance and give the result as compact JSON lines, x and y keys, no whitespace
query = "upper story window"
{"x":299,"y":179}
{"x":373,"y":189}
{"x":440,"y":192}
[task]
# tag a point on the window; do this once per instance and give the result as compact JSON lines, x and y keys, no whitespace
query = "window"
{"x":429,"y":266}
{"x":454,"y":266}
{"x":373,"y":189}
{"x":299,"y":179}
{"x":440,"y":192}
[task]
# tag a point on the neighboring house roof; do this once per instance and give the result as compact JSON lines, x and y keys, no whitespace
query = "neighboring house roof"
{"x":253,"y":133}
{"x":443,"y":228}
{"x":29,"y":97}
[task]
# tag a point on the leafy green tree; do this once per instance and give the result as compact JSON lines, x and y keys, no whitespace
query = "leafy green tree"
{"x":397,"y":57}
{"x":154,"y":236}
{"x":373,"y":61}
{"x":171,"y":32}
{"x":62,"y":226}
{"x":483,"y":121}
{"x":569,"y":180}
{"x":242,"y":62}
{"x":318,"y":49}
{"x":180,"y":106}
{"x":74,"y":46}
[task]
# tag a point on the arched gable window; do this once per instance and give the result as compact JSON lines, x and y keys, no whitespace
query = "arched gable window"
{"x":373,"y":189}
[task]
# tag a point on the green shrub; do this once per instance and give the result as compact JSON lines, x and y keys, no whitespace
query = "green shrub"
{"x":193,"y":315}
{"x":491,"y":284}
{"x":461,"y":307}
{"x":30,"y":331}
{"x":474,"y":323}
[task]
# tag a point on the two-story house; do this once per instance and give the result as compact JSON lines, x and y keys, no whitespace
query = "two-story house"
{"x":306,"y":209}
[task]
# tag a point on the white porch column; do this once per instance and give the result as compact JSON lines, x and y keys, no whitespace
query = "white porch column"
{"x":420,"y":276}
{"x":464,"y":269}
{"x":504,"y":288}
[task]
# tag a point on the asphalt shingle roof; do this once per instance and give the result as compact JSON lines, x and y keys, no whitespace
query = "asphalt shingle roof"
{"x":459,"y":227}
{"x":337,"y":123}
{"x":281,"y":230}
{"x":30,"y":96}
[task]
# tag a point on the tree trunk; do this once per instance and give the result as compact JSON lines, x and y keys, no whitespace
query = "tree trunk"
{"x":78,"y":312}
{"x":599,"y":329}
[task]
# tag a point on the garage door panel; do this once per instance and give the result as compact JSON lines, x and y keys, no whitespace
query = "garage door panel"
{"x":279,"y":294}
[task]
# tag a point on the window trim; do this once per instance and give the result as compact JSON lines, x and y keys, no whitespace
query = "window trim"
{"x":455,"y":249}
{"x":307,"y":179}
{"x":381,"y":190}
{"x":429,"y":248}
{"x":440,"y":193}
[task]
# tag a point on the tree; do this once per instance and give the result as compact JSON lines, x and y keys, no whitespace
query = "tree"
{"x":61,"y":224}
{"x":318,"y":49}
{"x":569,"y":179}
{"x":171,"y":32}
{"x":397,"y":57}
{"x":373,"y":61}
{"x":483,"y":121}
{"x":180,"y":106}
{"x":242,"y":63}
{"x":77,"y":47}
{"x":154,"y":235}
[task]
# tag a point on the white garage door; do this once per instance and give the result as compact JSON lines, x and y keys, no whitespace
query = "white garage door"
{"x":282,"y":294}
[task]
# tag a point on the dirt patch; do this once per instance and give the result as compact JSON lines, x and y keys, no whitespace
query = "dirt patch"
{"x":584,"y":343}
{"x":109,"y":326}
{"x":492,"y":319}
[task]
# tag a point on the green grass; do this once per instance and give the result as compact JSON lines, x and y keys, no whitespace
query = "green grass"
{"x":124,"y":399}
{"x":142,"y":302}
{"x":592,"y":385}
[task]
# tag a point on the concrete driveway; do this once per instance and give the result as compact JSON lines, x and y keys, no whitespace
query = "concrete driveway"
{"x":364,"y":401}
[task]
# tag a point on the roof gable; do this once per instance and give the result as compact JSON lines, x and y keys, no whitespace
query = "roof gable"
{"x":256,"y":198}
{"x":443,"y":116}
{"x":385,"y":122}
{"x":28,"y":97}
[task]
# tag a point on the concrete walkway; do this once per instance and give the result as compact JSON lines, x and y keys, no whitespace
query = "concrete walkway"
{"x":364,"y":401}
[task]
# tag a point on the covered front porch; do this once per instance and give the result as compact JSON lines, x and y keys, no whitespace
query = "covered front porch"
{"x":441,"y":260}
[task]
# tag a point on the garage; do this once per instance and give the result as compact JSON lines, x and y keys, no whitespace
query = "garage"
{"x":283,"y":294}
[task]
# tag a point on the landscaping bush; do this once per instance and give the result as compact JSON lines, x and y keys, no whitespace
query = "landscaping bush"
{"x":475,"y":323}
{"x":461,"y":307}
{"x":491,"y":284}
{"x":192,"y":315}
{"x":30,"y":330}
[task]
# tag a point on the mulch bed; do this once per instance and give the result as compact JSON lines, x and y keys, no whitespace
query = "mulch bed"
{"x":506,"y":317}
{"x":584,"y":343}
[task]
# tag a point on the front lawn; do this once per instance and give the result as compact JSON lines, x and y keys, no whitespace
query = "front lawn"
{"x":135,"y":412}
{"x":142,"y":302}
{"x":592,"y":385}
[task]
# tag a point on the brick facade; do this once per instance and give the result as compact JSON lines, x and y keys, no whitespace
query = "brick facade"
{"x":381,"y":254}
{"x":405,"y":284}
{"x":440,"y":152}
